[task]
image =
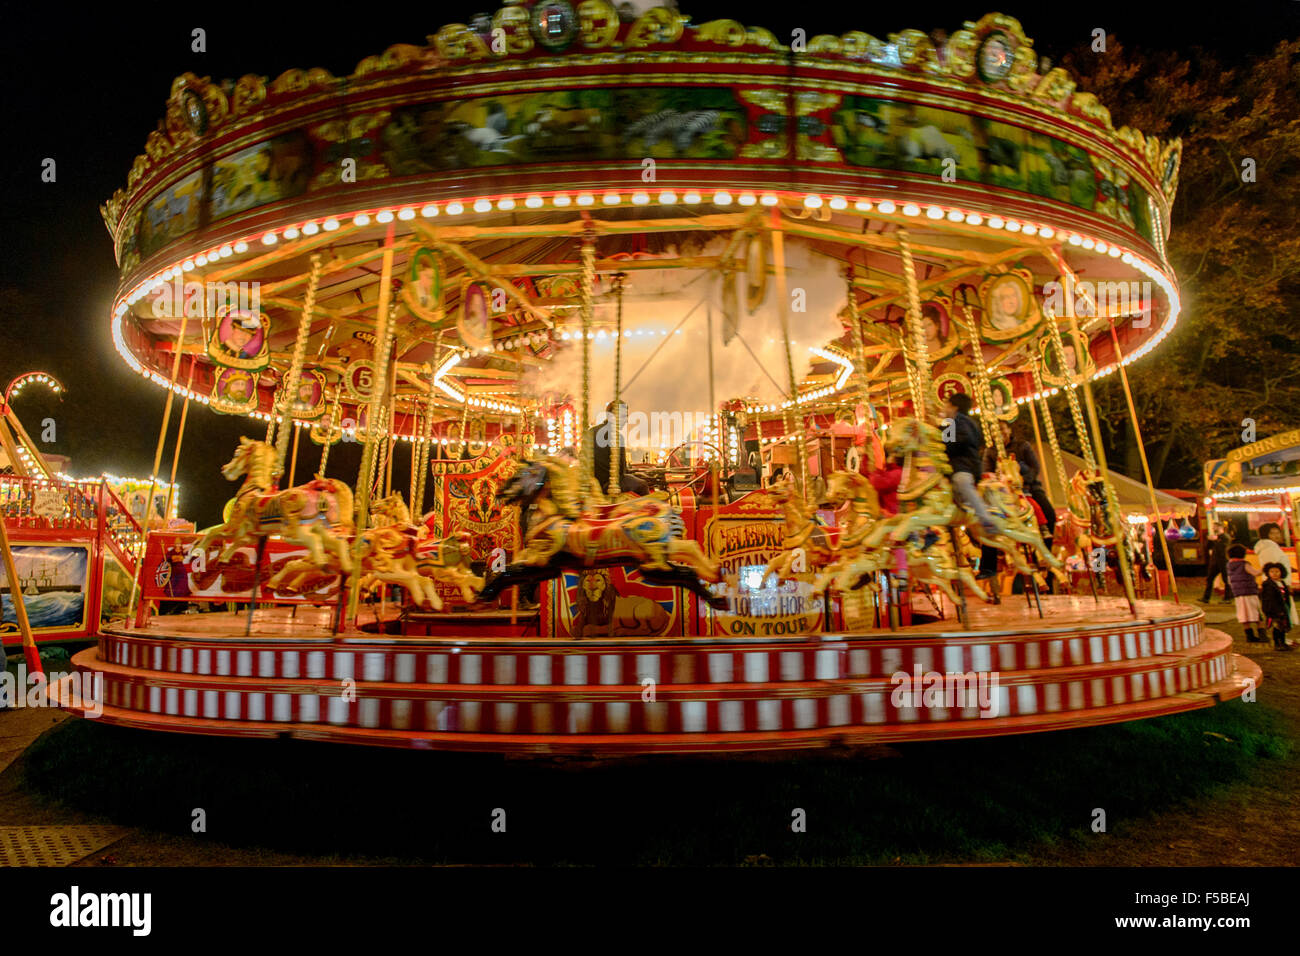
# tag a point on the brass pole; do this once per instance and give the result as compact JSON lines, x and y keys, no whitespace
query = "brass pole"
{"x":795,"y":429}
{"x":586,"y":458}
{"x":294,"y":375}
{"x":176,"y":453}
{"x":367,"y":455}
{"x":293,"y":461}
{"x":920,"y":351}
{"x":1146,"y":467}
{"x":332,"y":423}
{"x":392,"y":417}
{"x":713,"y":415}
{"x":616,"y":438}
{"x":1038,"y":437}
{"x":157,"y":462}
{"x":30,"y":652}
{"x":1112,"y":502}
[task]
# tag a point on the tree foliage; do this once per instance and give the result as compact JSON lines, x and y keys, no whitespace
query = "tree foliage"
{"x":1233,"y":244}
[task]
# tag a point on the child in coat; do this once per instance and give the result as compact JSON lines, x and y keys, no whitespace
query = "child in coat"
{"x":1242,"y":572}
{"x":1275,"y":599}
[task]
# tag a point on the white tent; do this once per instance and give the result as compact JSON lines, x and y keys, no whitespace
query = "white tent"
{"x":1134,"y":498}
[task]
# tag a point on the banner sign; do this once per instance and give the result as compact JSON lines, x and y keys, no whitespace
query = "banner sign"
{"x":1268,"y":463}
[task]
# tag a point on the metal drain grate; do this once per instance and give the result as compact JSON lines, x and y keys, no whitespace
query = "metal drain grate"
{"x":53,"y":846}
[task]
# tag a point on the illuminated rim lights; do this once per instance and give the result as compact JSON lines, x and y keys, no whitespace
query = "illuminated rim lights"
{"x":613,"y":197}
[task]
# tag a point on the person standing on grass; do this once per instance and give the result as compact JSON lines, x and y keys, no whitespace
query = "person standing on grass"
{"x":1216,"y":565}
{"x":1275,"y":600}
{"x":1242,"y":571}
{"x":1268,"y":549}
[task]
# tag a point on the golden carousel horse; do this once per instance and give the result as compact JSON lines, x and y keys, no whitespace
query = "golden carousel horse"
{"x":1086,"y":525}
{"x":392,"y":550}
{"x":926,"y":460}
{"x":801,"y":533}
{"x":925,"y":502}
{"x":645,"y":533}
{"x":317,"y":515}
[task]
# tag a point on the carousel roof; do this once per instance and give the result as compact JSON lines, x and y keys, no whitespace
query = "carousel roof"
{"x":469,"y":170}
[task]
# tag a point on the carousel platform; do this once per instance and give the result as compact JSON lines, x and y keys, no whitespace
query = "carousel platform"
{"x":1084,"y":663}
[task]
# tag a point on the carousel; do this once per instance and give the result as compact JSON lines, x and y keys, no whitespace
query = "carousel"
{"x":673,"y":324}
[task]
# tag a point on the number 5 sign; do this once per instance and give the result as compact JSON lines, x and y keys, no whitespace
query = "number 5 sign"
{"x":360,"y":380}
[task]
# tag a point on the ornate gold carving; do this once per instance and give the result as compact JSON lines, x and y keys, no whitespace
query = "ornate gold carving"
{"x":722,"y":32}
{"x":300,"y":81}
{"x":1173,"y":152}
{"x":818,"y":152}
{"x":771,"y":100}
{"x":249,"y":94}
{"x":656,"y":26}
{"x":394,"y":58}
{"x":959,"y":54}
{"x":1056,"y":88}
{"x":857,"y":44}
{"x":916,"y":49}
{"x":1024,"y":71}
{"x":808,"y":102}
{"x":156,"y":146}
{"x":597,"y":23}
{"x":773,"y":148}
{"x":513,"y":21}
{"x":456,"y":41}
{"x":825,"y":43}
{"x":1086,"y":104}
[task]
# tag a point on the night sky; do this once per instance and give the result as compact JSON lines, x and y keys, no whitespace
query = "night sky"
{"x":85,"y":88}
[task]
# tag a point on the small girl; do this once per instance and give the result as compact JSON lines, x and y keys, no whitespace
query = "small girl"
{"x":1245,"y":590}
{"x":1275,"y":599}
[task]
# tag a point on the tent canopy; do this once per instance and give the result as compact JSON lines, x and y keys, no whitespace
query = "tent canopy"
{"x":1134,"y":498}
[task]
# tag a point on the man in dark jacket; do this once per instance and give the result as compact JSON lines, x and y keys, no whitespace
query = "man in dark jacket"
{"x":962,"y":436}
{"x":601,"y":438}
{"x":1216,"y":564}
{"x":1031,"y":484}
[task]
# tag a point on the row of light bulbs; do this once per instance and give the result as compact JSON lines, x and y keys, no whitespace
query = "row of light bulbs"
{"x":721,"y":197}
{"x":1290,"y":490}
{"x":39,"y":378}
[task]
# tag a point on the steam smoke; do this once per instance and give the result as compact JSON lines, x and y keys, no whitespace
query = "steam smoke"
{"x":677,"y":378}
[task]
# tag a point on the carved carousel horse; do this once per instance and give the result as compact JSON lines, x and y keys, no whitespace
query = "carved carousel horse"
{"x":801,"y":534}
{"x":830,"y":555}
{"x":394,"y":551}
{"x":868,"y":542}
{"x":1087,"y":524}
{"x":925,"y":470}
{"x":933,"y":563}
{"x":644,"y":533}
{"x":317,"y":515}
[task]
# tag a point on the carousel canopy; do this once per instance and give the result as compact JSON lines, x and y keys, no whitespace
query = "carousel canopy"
{"x":739,"y":186}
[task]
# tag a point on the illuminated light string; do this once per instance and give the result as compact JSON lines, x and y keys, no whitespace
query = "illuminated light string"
{"x":611,"y":197}
{"x":1249,"y":509}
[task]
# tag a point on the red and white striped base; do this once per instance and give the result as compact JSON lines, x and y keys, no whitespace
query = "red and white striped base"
{"x":1081,"y":665}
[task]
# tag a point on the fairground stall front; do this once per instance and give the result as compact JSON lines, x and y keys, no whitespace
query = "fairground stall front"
{"x":783,"y":262}
{"x":1257,"y":484}
{"x":69,"y":545}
